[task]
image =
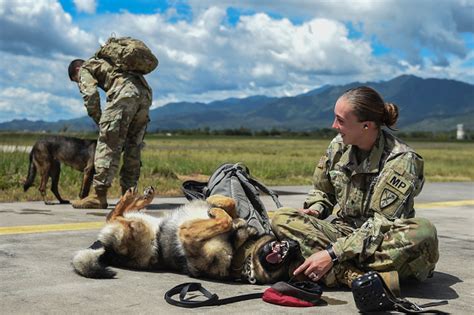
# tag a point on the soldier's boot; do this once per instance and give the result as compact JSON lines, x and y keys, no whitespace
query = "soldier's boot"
{"x":96,"y":200}
{"x":345,"y":273}
{"x":391,"y":280}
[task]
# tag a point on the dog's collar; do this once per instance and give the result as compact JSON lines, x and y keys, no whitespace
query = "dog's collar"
{"x":240,"y":257}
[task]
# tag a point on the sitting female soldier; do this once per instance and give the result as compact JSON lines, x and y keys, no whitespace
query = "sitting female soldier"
{"x":360,"y":214}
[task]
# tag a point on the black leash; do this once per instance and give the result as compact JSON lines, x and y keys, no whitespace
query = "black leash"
{"x":212,"y":298}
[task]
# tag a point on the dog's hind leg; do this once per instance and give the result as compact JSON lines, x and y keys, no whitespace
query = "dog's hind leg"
{"x":54,"y":172}
{"x":130,"y":202}
{"x":87,"y":181}
{"x":44,"y":173}
{"x":122,"y":204}
{"x":141,"y":202}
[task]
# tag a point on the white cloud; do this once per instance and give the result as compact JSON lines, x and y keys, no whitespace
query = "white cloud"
{"x":18,"y":103}
{"x":87,"y":6}
{"x":406,"y":26}
{"x":40,"y":28}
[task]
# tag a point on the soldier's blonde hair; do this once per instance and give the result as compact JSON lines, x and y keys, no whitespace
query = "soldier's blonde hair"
{"x":368,"y":105}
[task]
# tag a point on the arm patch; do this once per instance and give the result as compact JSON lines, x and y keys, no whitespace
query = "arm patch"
{"x":399,"y":183}
{"x":388,"y":197}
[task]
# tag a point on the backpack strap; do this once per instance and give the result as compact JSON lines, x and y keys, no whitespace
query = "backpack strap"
{"x":212,"y":298}
{"x":266,"y":190}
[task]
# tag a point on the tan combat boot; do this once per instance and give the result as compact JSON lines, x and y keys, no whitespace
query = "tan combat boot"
{"x":391,"y":280}
{"x":96,"y":200}
{"x":346,"y":273}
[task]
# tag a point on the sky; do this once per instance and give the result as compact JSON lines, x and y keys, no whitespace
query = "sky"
{"x":216,"y":49}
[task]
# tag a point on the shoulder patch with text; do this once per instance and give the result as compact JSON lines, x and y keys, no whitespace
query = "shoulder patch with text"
{"x":399,"y":183}
{"x":388,"y":197}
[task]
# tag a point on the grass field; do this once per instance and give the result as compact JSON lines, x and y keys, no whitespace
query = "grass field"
{"x":168,"y":161}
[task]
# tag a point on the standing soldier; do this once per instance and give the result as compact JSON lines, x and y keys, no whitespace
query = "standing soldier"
{"x":122,"y":124}
{"x":360,"y":214}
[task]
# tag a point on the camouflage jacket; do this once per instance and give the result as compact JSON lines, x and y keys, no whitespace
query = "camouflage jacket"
{"x":99,"y":73}
{"x":379,"y":188}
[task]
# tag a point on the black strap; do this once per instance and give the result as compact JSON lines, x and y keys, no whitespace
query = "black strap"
{"x":212,"y":299}
{"x":405,"y":306}
{"x":266,"y":190}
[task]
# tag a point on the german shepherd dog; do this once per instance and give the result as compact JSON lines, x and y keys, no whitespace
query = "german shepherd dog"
{"x":47,"y":155}
{"x":203,"y":238}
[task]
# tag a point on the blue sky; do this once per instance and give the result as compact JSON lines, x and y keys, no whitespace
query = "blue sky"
{"x":215,"y":49}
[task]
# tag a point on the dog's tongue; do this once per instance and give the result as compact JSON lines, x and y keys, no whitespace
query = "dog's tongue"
{"x":273,"y":258}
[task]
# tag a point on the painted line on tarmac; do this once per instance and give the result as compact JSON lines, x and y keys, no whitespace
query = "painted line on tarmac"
{"x":30,"y":229}
{"x":442,"y":204}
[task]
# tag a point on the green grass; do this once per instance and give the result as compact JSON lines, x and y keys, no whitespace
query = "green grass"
{"x":168,"y":161}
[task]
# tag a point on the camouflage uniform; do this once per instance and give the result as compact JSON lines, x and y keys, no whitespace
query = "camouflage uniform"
{"x":123,"y":122}
{"x":366,"y":212}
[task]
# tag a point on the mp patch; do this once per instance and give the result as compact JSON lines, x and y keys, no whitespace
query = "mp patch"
{"x":388,"y":197}
{"x":399,"y":183}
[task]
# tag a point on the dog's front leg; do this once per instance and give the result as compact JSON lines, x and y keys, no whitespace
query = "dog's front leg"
{"x":193,"y":233}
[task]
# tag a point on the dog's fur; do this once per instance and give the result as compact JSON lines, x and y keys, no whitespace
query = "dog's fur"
{"x":201,"y":239}
{"x":47,"y":155}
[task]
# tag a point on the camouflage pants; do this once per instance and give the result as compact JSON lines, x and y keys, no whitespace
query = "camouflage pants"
{"x":122,"y":129}
{"x":409,"y":246}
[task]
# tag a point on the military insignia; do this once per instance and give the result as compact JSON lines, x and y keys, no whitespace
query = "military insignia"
{"x":388,"y":197}
{"x":399,"y":183}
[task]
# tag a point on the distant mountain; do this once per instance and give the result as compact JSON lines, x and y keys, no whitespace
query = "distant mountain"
{"x":425,"y":104}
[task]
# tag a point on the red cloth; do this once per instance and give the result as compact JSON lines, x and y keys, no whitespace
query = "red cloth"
{"x":275,"y":297}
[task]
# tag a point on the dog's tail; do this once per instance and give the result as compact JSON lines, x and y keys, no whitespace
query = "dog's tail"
{"x":31,"y":173}
{"x":92,"y":262}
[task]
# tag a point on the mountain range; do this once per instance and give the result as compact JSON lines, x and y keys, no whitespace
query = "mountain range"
{"x":425,"y":105}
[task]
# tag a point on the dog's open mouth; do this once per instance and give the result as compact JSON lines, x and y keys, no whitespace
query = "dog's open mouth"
{"x":275,"y":252}
{"x":278,"y":252}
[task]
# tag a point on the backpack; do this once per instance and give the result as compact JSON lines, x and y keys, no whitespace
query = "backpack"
{"x":128,"y":54}
{"x":234,"y":181}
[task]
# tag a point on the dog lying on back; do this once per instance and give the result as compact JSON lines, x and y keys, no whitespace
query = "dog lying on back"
{"x":203,"y":238}
{"x":47,"y":155}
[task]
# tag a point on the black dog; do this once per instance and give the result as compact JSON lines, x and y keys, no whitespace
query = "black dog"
{"x":47,"y":155}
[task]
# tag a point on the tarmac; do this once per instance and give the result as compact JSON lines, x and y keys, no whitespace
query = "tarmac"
{"x":37,"y":242}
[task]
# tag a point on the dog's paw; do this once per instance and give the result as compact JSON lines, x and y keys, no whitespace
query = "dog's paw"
{"x":223,"y":202}
{"x":239,"y":224}
{"x":149,"y":192}
{"x":251,"y":231}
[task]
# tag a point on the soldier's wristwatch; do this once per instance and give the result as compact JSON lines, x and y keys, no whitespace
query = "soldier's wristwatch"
{"x":331,"y":252}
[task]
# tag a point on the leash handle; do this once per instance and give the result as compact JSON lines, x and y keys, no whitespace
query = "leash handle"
{"x":183,"y":290}
{"x":212,"y":298}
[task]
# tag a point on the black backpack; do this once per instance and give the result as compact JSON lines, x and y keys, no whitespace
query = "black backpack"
{"x":234,"y":180}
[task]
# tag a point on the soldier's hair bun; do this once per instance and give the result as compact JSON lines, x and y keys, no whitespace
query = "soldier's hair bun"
{"x":390,"y":114}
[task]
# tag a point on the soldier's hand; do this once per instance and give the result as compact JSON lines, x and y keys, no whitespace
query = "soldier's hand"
{"x":311,"y":212}
{"x":315,"y":266}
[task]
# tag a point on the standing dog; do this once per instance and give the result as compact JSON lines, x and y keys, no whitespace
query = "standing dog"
{"x":47,"y":155}
{"x":201,"y":238}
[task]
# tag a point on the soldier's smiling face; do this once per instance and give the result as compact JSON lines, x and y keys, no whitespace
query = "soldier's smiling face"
{"x":347,"y":124}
